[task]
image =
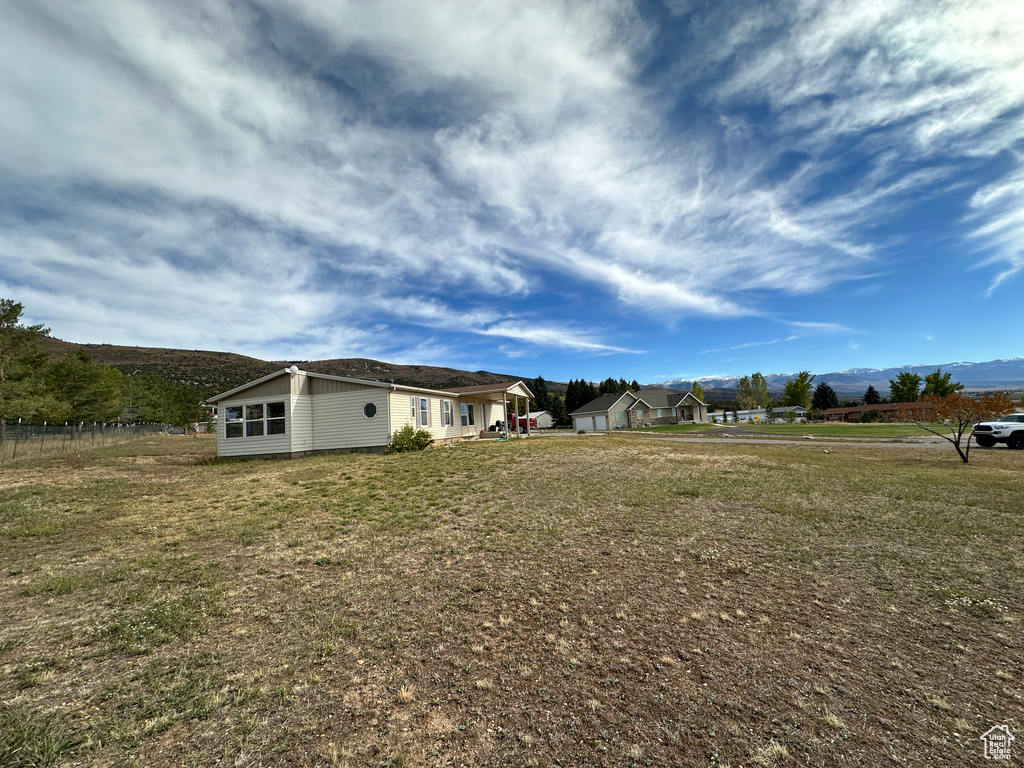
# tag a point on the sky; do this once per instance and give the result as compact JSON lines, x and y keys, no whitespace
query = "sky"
{"x":647,"y":190}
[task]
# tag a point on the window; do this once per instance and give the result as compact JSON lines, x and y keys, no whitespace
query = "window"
{"x":275,"y":418}
{"x":370,"y":410}
{"x":412,"y":404}
{"x":673,"y":411}
{"x":233,"y":421}
{"x":466,"y":412}
{"x":639,"y":413}
{"x":659,"y":413}
{"x":256,"y":420}
{"x":424,"y":412}
{"x":618,"y":415}
{"x":446,"y":412}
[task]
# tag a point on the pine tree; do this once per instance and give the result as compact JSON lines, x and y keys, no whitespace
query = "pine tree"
{"x":824,"y":398}
{"x":23,"y":392}
{"x":871,"y":396}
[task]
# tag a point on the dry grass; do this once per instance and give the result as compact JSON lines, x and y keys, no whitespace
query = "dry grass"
{"x":164,"y":609}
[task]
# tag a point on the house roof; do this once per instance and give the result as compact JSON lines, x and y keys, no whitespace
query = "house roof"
{"x":861,"y":409}
{"x":660,"y":397}
{"x":479,"y":389}
{"x":602,"y":403}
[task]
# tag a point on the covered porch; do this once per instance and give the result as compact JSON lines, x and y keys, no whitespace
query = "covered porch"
{"x":484,"y":410}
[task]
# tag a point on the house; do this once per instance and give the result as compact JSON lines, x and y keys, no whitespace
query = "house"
{"x":294,"y":412}
{"x":854,"y":413}
{"x":648,"y":407}
{"x":541,"y":419}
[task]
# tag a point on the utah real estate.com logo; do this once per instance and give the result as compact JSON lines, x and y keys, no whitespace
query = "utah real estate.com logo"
{"x":997,"y":742}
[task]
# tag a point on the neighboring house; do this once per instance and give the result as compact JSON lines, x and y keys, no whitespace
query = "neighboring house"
{"x":646,"y":408}
{"x":790,"y":413}
{"x":541,"y":419}
{"x":294,"y":412}
{"x":888,"y":410}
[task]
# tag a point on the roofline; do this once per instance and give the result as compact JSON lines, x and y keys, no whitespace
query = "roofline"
{"x":365,"y":382}
{"x":613,"y":403}
{"x":497,"y":389}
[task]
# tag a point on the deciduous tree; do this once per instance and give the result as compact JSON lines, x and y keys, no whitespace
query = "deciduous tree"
{"x":759,"y":388}
{"x":798,"y":390}
{"x":745,"y":394}
{"x":698,"y":391}
{"x":957,"y":412}
{"x":938,"y":383}
{"x":905,"y":388}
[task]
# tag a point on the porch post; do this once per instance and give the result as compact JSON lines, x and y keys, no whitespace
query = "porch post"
{"x":504,"y":414}
{"x":527,"y":417}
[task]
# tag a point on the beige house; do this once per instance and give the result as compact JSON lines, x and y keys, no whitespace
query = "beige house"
{"x":646,"y":408}
{"x":294,"y":412}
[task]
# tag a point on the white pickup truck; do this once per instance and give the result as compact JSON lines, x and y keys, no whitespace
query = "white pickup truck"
{"x":1007,"y":429}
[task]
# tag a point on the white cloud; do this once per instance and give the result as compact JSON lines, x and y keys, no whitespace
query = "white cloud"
{"x":226,"y":175}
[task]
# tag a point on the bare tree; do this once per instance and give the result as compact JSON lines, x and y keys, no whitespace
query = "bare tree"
{"x":957,"y":412}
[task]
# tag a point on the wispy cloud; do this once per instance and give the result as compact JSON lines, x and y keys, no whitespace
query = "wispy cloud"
{"x":329,"y":176}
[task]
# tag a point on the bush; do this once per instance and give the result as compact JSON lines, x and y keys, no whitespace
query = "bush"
{"x":408,"y":439}
{"x":872,"y":417}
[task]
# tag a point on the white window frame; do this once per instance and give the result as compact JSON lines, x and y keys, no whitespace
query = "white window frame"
{"x":446,"y":413}
{"x":248,"y":424}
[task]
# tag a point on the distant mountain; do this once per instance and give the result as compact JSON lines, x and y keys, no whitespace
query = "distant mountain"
{"x":994,"y":374}
{"x":220,"y":371}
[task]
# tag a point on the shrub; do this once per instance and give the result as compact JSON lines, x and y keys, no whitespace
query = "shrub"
{"x":408,"y":439}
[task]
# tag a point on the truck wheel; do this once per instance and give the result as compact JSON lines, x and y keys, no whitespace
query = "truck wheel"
{"x":1016,"y":441}
{"x":985,"y":441}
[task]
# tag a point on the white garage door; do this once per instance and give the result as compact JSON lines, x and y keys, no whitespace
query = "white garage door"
{"x":584,"y":422}
{"x":600,"y":422}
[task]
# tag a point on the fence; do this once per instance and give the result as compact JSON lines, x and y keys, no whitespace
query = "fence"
{"x":33,"y":440}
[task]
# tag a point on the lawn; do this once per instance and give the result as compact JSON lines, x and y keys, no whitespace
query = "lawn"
{"x":884,"y":431}
{"x":561,"y":601}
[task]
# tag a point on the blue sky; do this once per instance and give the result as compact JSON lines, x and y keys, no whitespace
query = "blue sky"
{"x":649,"y":190}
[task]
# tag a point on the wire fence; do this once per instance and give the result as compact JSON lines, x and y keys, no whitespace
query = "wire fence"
{"x":35,"y":440}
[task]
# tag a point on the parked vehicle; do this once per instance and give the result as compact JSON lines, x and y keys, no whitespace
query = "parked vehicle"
{"x":1007,"y":429}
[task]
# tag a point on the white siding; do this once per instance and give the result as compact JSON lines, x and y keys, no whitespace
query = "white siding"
{"x":301,"y":423}
{"x":252,"y":446}
{"x":338,"y":420}
{"x":401,"y":412}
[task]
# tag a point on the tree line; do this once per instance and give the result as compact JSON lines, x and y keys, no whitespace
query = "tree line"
{"x":36,"y":390}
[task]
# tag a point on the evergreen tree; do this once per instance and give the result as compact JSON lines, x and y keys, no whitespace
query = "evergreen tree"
{"x":23,"y":391}
{"x":541,"y":395}
{"x":634,"y":386}
{"x":871,"y":396}
{"x":92,"y":392}
{"x":623,"y":386}
{"x":608,"y":387}
{"x":824,"y":398}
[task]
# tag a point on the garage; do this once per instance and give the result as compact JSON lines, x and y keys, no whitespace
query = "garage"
{"x":601,"y":422}
{"x":584,"y":422}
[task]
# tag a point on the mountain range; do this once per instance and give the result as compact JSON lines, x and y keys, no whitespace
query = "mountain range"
{"x":994,"y":374}
{"x":220,"y":371}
